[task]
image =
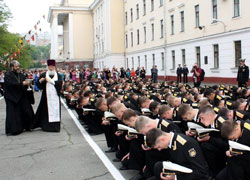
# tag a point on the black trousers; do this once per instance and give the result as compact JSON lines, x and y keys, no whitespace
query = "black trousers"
{"x":178,"y":78}
{"x":185,"y":78}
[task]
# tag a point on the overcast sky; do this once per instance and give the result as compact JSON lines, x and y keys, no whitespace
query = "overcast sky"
{"x":26,"y":13}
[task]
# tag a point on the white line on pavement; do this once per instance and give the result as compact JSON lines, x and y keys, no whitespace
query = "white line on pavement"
{"x":112,"y":169}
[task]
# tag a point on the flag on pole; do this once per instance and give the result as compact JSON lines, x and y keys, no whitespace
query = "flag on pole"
{"x":20,"y":41}
{"x":33,"y":38}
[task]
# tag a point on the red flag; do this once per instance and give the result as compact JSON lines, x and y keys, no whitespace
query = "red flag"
{"x":11,"y":57}
{"x":15,"y":55}
{"x":33,"y":38}
{"x":28,"y":41}
{"x":18,"y":52}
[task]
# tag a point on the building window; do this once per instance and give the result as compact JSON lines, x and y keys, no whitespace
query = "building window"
{"x":161,"y":3}
{"x":153,"y":59}
{"x":131,"y":14}
{"x":198,"y":55}
{"x":173,"y":59}
{"x":162,"y":61}
{"x":215,"y":13}
{"x":132,"y":39}
{"x":197,"y":16}
{"x":138,"y":36}
{"x":237,"y":49}
{"x":133,"y":63}
{"x":126,"y":41}
{"x":172,"y":24}
{"x":162,"y":29}
{"x":216,"y":56}
{"x":182,"y":22}
{"x":139,"y":61}
{"x":153,"y":31}
{"x":183,"y":54}
{"x":146,"y":62}
{"x":126,"y":18}
{"x":137,"y":11}
{"x":144,"y":7}
{"x":152,"y":5}
{"x":102,"y":47}
{"x":236,"y":8}
{"x":145,"y":34}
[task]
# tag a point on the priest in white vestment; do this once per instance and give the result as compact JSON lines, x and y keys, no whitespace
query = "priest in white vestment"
{"x":48,"y":115}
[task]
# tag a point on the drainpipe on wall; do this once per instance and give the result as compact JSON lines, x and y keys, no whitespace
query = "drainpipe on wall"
{"x":124,"y":26}
{"x":165,"y":39}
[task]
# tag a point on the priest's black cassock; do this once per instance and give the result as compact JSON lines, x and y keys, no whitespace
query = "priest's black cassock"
{"x":42,"y":115}
{"x":19,"y":112}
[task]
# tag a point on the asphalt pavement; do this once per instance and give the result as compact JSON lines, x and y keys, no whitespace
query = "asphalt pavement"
{"x":71,"y":154}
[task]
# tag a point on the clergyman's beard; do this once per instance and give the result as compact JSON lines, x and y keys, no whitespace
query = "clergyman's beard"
{"x":51,"y":73}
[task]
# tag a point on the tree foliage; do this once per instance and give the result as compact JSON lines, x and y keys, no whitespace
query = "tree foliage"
{"x":9,"y":42}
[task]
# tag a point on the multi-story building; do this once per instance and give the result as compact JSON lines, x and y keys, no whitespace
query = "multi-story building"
{"x":136,"y":33}
{"x":213,"y":33}
{"x":75,"y":19}
{"x":108,"y":33}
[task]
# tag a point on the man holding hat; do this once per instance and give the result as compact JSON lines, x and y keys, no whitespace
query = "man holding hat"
{"x":243,"y":74}
{"x":48,"y":115}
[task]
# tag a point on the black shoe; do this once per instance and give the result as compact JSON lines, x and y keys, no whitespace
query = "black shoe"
{"x":116,"y":160}
{"x":110,"y":150}
{"x":123,"y":168}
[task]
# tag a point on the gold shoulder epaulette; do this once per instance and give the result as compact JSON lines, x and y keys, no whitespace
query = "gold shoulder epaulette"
{"x":216,"y":109}
{"x":181,"y":139}
{"x":165,"y":123}
{"x":184,"y":100}
{"x":218,"y":97}
{"x":194,"y":104}
{"x":247,"y":126}
{"x":240,"y":115}
{"x":92,"y":100}
{"x":221,"y":120}
{"x":229,"y":103}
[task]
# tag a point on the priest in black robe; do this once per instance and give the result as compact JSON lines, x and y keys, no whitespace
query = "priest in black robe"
{"x":19,"y":112}
{"x":48,"y":115}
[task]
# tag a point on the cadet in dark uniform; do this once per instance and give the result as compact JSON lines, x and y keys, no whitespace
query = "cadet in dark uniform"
{"x":237,"y":166}
{"x":185,"y":72}
{"x":179,"y":73}
{"x":182,"y":150}
{"x":243,"y":74}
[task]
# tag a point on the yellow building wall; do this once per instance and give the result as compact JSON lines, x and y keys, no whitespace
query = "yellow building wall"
{"x":225,"y":15}
{"x":151,"y":17}
{"x":83,"y":35}
{"x":117,"y":26}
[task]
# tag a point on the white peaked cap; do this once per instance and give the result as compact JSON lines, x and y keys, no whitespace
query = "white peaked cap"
{"x":108,"y":114}
{"x":194,"y":125}
{"x":238,"y":146}
{"x":86,"y":109}
{"x":206,"y":130}
{"x":175,"y":167}
{"x":145,"y":110}
{"x":126,"y":128}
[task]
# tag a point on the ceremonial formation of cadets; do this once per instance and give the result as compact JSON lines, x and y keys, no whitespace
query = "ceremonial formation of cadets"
{"x":163,"y":129}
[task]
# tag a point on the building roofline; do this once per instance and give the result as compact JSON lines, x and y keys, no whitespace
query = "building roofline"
{"x":63,"y":8}
{"x":94,"y":4}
